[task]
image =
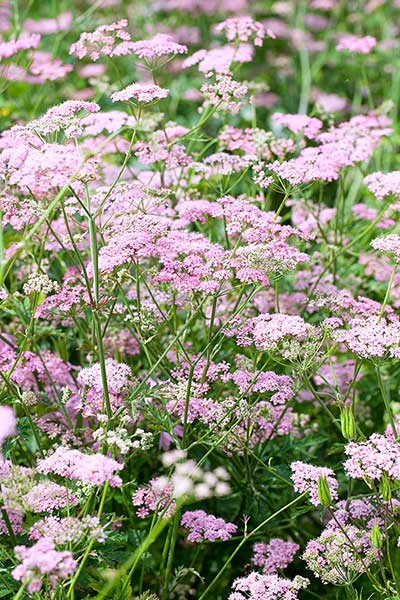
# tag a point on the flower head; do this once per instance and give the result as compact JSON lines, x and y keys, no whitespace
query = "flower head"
{"x":141,"y":93}
{"x":107,"y":40}
{"x":160,"y":46}
{"x":42,"y":560}
{"x":242,"y":29}
{"x":8,"y":423}
{"x":360,"y":45}
{"x":306,"y":479}
{"x":206,"y":527}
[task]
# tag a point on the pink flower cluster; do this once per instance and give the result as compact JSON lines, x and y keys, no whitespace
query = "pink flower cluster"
{"x":310,"y":126}
{"x":242,"y":29}
{"x":378,"y":455}
{"x":48,"y":496}
{"x":340,"y":554}
{"x":60,"y":117}
{"x":107,"y":40}
{"x":226,"y":93}
{"x":118,"y":377}
{"x":383,"y":184}
{"x":61,"y":22}
{"x":42,"y":561}
{"x":66,"y":530}
{"x":8,"y":49}
{"x":275,"y":555}
{"x":141,"y":93}
{"x":343,"y":146}
{"x":203,"y":527}
{"x":159,"y":46}
{"x":389,"y":244}
{"x":267,"y":587}
{"x":270,"y":329}
{"x":154,"y":498}
{"x":305,"y":478}
{"x":370,"y":336}
{"x":96,"y":469}
{"x":360,"y":45}
{"x":219,"y":60}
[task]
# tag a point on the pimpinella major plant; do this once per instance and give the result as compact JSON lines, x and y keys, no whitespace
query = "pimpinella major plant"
{"x":199,"y":300}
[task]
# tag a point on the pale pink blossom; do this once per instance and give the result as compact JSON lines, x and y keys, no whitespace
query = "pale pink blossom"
{"x":141,"y":93}
{"x":352,"y":43}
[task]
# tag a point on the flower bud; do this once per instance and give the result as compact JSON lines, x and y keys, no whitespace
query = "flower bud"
{"x":348,"y":424}
{"x":324,"y":493}
{"x":385,"y":488}
{"x":376,"y":537}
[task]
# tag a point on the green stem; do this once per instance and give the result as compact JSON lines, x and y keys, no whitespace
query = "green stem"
{"x":130,"y":565}
{"x":21,"y":591}
{"x":171,"y":552}
{"x":386,"y":402}
{"x":71,"y":589}
{"x":388,"y":290}
{"x":94,"y":254}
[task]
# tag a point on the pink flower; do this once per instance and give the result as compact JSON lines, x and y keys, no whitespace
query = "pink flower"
{"x":159,"y":46}
{"x":225,"y":92}
{"x":42,"y":560}
{"x":242,"y":29}
{"x":335,"y":559}
{"x":154,"y":498}
{"x":266,"y":587}
{"x":383,"y":184}
{"x":8,"y":423}
{"x":89,"y":468}
{"x":268,"y":329}
{"x":349,"y":143}
{"x":310,"y":126}
{"x":8,"y":49}
{"x":107,"y":40}
{"x":305,"y":478}
{"x":62,"y":22}
{"x":352,"y":43}
{"x":142,"y":93}
{"x":275,"y":555}
{"x":67,"y":530}
{"x":206,"y":527}
{"x":378,"y":455}
{"x":47,"y":496}
{"x":389,"y":244}
{"x":370,"y":337}
{"x":219,"y":60}
{"x":47,"y":68}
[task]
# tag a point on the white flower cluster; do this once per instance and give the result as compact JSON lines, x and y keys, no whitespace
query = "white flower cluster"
{"x":189,"y":480}
{"x":123,"y":441}
{"x":40,"y":283}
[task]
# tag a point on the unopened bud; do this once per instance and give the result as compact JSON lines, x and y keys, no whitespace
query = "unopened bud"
{"x":376,"y":537}
{"x":385,"y":488}
{"x":348,"y":424}
{"x":324,"y":493}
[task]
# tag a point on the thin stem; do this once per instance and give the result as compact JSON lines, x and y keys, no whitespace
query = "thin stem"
{"x":171,"y":552}
{"x":71,"y":592}
{"x":21,"y":590}
{"x":386,"y":402}
{"x":130,"y":565}
{"x":96,"y":292}
{"x":388,"y":290}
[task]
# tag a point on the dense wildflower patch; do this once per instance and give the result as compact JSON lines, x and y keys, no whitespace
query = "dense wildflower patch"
{"x":199,"y":300}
